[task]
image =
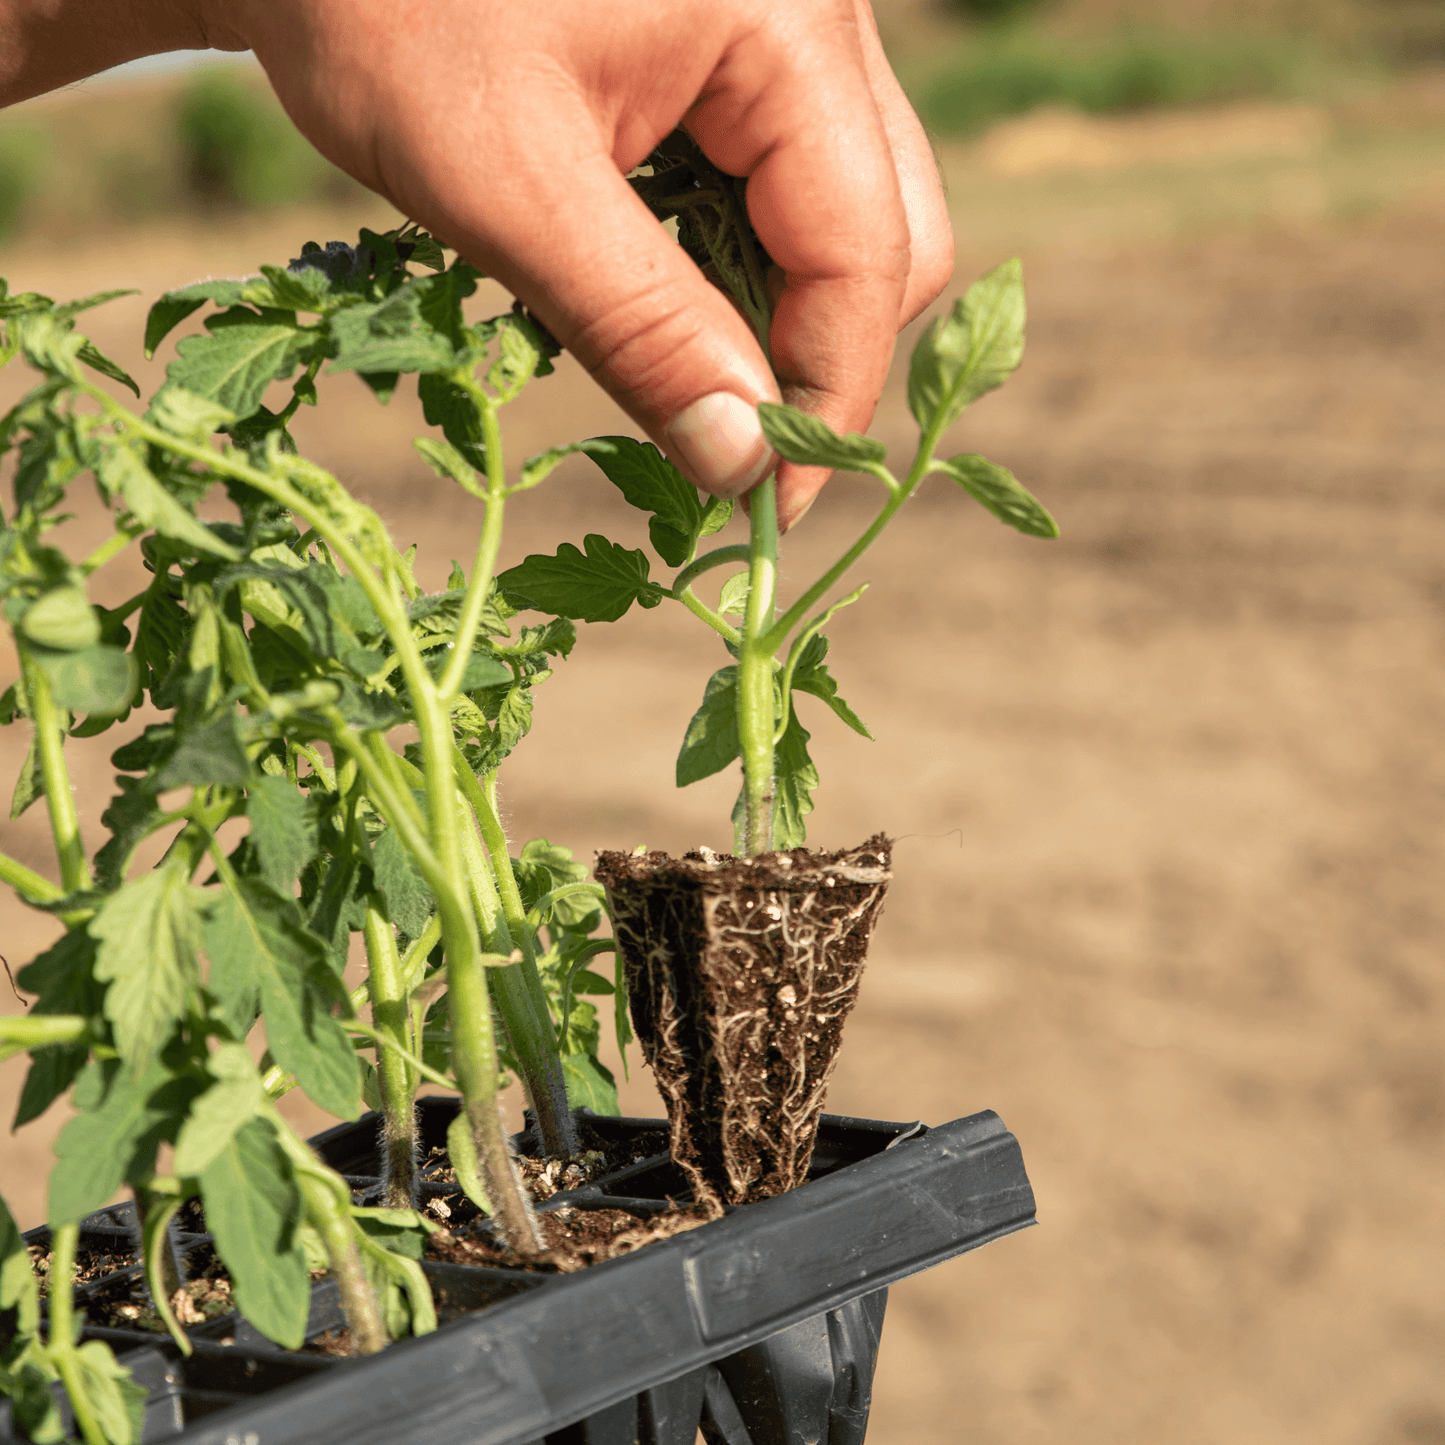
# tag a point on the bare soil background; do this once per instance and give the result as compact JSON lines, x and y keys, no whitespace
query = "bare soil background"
{"x":1167,"y":793}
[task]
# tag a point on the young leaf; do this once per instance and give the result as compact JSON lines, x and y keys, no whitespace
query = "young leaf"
{"x":210,"y":753}
{"x":283,"y":830}
{"x":538,"y":468}
{"x":30,"y":785}
{"x":448,"y":463}
{"x":99,"y":680}
{"x":715,"y":516}
{"x":596,"y":587}
{"x":652,"y":484}
{"x":252,"y":929}
{"x":117,"y":1401}
{"x":252,"y":1205}
{"x":391,"y":335}
{"x":997,"y":488}
{"x":243,"y":354}
{"x":811,"y":442}
{"x":97,"y":360}
{"x":188,"y":416}
{"x":148,"y":932}
{"x":795,"y":779}
{"x":971,"y":351}
{"x":711,"y":741}
{"x":233,"y":1100}
{"x":61,"y":618}
{"x":590,"y":1084}
{"x":812,"y":676}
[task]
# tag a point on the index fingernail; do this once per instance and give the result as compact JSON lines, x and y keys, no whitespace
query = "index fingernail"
{"x":718,"y":442}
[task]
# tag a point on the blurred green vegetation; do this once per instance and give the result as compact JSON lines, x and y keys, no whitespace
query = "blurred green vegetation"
{"x":216,"y":142}
{"x":1006,"y":70}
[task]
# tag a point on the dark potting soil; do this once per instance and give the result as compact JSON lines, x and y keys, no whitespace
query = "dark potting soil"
{"x":741,"y":973}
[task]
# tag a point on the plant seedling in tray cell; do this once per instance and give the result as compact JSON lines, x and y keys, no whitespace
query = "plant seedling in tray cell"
{"x":326,"y":762}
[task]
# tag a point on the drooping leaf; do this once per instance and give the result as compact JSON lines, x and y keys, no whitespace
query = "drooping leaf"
{"x":283,"y":829}
{"x":449,"y":464}
{"x":235,"y":1098}
{"x":175,"y":306}
{"x":462,"y":1151}
{"x":711,"y":741}
{"x":598,"y":586}
{"x":795,"y":778}
{"x":252,"y":929}
{"x":997,"y":488}
{"x":30,"y":785}
{"x":652,"y":484}
{"x":148,"y":932}
{"x":812,"y":676}
{"x":63,"y":977}
{"x":811,"y":442}
{"x":97,"y":360}
{"x":252,"y":1205}
{"x":971,"y":351}
{"x":122,"y":1121}
{"x":121,"y":472}
{"x":116,"y":1400}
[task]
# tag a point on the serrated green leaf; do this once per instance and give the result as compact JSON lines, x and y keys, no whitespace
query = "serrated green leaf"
{"x":283,"y":830}
{"x":711,"y":741}
{"x":812,"y":676}
{"x":117,"y":1402}
{"x":122,"y":1122}
{"x":308,"y":288}
{"x":254,"y":930}
{"x":148,"y":932}
{"x":99,"y":680}
{"x":971,"y":351}
{"x":997,"y":488}
{"x":175,"y":306}
{"x":121,"y":472}
{"x":446,"y":405}
{"x":652,"y":484}
{"x":240,"y":357}
{"x":68,"y":309}
{"x":598,"y":586}
{"x":811,"y":442}
{"x":97,"y":360}
{"x":252,"y":1206}
{"x":391,"y":335}
{"x":716,"y":515}
{"x":235,"y":1098}
{"x":409,"y":902}
{"x":590,"y":1084}
{"x":210,"y":753}
{"x":61,"y":618}
{"x":63,"y":978}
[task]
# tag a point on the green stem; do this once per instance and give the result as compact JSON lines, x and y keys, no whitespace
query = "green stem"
{"x":333,"y":1223}
{"x":546,"y":1086}
{"x":398,"y":1084}
{"x":50,"y":744}
{"x":720,"y":557}
{"x":715,"y":620}
{"x":31,"y":886}
{"x":424,"y":1069}
{"x":63,"y":1241}
{"x":756,"y":707}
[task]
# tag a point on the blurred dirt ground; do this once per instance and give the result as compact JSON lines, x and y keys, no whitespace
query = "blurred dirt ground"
{"x":1167,"y":790}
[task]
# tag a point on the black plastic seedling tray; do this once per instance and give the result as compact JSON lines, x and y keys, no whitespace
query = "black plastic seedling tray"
{"x":761,"y":1328}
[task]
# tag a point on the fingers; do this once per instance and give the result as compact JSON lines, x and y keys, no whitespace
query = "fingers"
{"x":791,"y":108}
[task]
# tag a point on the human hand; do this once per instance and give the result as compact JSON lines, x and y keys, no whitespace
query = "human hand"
{"x":507,"y":131}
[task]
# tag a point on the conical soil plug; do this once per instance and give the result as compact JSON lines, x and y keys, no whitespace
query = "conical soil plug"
{"x":741,"y":972}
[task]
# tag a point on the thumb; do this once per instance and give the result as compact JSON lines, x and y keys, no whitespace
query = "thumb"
{"x":585,"y":255}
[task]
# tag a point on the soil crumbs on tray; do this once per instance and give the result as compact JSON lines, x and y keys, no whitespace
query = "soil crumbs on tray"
{"x":573,"y":1238}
